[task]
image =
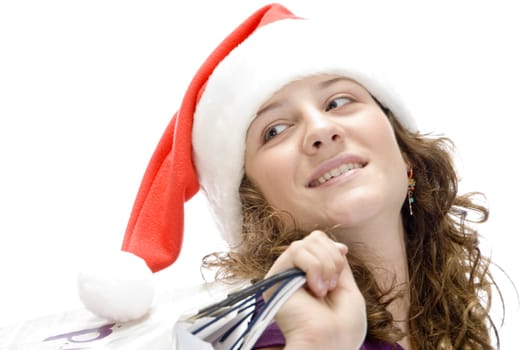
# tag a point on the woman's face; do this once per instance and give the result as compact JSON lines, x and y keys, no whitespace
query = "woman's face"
{"x":324,"y":151}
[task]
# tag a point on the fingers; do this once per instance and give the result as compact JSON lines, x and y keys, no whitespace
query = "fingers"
{"x":322,"y":259}
{"x":323,"y":262}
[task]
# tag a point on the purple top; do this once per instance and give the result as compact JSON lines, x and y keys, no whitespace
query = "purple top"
{"x":272,"y":336}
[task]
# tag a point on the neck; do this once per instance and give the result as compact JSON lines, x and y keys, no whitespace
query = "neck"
{"x":384,"y":249}
{"x":385,"y":254}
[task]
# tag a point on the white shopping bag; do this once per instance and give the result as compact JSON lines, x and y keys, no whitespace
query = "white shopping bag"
{"x":80,"y":329}
{"x":228,"y":322}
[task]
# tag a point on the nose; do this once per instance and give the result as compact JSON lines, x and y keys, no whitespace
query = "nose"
{"x":321,"y":131}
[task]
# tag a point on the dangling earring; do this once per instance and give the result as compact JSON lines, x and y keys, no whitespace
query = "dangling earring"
{"x":410,"y":189}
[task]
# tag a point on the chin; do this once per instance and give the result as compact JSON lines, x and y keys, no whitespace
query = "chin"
{"x":357,"y":209}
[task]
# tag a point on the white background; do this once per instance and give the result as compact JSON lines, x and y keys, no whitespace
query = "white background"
{"x":87,"y":88}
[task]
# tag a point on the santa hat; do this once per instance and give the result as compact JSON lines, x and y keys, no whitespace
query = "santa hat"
{"x":204,"y":144}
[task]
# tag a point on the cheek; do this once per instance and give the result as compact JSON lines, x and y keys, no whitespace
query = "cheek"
{"x":382,"y":138}
{"x":383,"y":142}
{"x":272,"y":172}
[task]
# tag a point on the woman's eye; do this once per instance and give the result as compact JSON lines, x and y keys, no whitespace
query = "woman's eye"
{"x":337,"y":102}
{"x":273,"y":131}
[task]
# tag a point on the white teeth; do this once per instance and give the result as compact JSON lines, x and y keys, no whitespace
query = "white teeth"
{"x":342,"y":169}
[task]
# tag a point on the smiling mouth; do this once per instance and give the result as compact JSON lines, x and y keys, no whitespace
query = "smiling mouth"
{"x":331,"y":174}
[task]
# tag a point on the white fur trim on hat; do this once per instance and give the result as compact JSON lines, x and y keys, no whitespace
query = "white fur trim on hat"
{"x":271,"y":57}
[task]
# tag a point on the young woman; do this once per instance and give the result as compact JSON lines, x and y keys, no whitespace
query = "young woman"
{"x":310,"y":159}
{"x":325,"y":163}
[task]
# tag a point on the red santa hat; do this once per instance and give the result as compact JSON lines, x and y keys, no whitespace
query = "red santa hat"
{"x":204,"y":144}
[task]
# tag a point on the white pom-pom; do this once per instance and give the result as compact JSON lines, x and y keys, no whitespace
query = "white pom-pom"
{"x":117,"y":287}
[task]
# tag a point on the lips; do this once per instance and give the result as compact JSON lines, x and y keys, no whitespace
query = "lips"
{"x":334,"y":168}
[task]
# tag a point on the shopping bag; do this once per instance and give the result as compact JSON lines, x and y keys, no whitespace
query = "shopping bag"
{"x":232,"y":321}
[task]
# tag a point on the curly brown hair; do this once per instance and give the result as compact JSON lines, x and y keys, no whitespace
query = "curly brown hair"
{"x":450,"y":281}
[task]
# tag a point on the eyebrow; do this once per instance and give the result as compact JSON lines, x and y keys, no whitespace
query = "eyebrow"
{"x":324,"y":84}
{"x":329,"y":82}
{"x":267,"y":108}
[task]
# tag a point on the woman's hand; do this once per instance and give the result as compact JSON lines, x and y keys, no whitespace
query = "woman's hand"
{"x":329,"y":311}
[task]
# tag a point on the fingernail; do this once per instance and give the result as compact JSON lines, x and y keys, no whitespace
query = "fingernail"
{"x":322,"y":287}
{"x":341,"y":247}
